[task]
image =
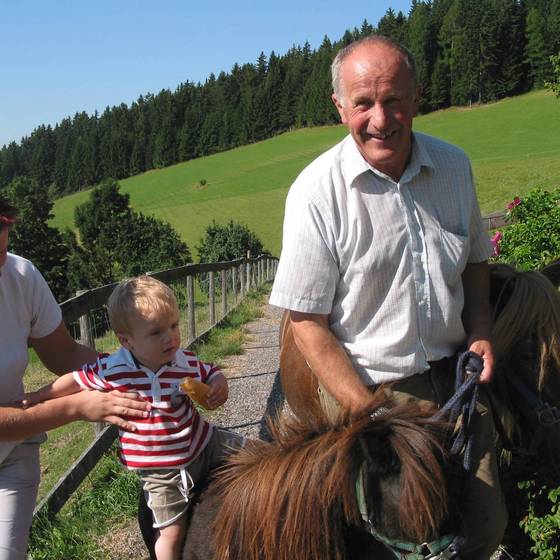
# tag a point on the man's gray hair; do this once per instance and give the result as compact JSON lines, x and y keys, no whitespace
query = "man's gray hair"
{"x":343,"y":53}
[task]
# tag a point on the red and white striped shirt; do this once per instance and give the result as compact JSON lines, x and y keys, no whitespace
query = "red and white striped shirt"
{"x":174,"y":434}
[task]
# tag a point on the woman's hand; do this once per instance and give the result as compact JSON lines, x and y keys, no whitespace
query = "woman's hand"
{"x":115,"y":407}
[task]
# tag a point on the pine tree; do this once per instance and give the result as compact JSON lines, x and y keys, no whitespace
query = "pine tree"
{"x":535,"y":50}
{"x":34,"y":239}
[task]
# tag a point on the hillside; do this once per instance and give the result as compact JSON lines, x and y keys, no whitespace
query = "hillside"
{"x":513,"y":145}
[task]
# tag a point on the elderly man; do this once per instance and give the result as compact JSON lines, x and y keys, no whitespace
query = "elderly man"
{"x":383,"y":265}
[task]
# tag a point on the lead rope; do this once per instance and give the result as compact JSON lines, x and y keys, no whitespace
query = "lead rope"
{"x":463,"y":404}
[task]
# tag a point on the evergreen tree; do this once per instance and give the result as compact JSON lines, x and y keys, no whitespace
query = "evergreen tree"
{"x":118,"y":242}
{"x":34,"y":239}
{"x":535,"y":50}
{"x":421,"y":42}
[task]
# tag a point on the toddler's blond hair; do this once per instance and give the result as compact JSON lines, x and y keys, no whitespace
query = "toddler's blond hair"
{"x":142,"y":296}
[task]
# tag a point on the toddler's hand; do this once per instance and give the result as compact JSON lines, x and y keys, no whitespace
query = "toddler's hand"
{"x":218,"y":394}
{"x":29,"y":399}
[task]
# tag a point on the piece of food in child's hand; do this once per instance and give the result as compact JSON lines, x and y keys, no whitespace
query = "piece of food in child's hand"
{"x":196,"y":390}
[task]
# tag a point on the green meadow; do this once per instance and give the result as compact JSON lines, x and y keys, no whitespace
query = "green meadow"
{"x":514,"y":145}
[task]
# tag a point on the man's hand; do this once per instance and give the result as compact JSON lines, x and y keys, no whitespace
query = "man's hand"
{"x":113,"y":406}
{"x":218,"y":394}
{"x":484,"y":349}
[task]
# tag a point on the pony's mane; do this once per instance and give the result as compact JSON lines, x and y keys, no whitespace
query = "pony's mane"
{"x":533,"y":309}
{"x":294,"y":497}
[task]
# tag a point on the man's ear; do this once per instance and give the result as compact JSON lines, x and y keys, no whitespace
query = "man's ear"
{"x":124,"y":340}
{"x":339,"y":108}
{"x":417,"y":99}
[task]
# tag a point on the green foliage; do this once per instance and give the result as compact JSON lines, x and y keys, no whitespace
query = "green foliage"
{"x":554,"y":84}
{"x":532,"y":238}
{"x":229,"y":242}
{"x":34,"y":239}
{"x":542,"y":522}
{"x":117,"y":242}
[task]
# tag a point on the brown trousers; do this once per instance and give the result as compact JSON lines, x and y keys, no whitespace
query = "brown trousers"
{"x":485,"y":514}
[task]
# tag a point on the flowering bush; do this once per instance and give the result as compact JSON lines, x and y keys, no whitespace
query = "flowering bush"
{"x":532,"y":237}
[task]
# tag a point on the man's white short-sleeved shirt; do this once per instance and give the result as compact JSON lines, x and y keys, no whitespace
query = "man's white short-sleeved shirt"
{"x":27,"y":310}
{"x":383,"y":259}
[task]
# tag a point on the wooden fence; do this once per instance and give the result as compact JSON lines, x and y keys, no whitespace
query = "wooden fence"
{"x":235,"y":277}
{"x":246,"y":274}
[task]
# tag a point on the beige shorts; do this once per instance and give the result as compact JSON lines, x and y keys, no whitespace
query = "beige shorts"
{"x":168,"y":491}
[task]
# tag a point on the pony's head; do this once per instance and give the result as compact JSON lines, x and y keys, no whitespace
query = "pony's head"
{"x":296,"y":497}
{"x":526,"y":338}
{"x":526,"y":330}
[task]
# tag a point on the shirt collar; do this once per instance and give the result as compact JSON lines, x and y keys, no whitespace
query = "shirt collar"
{"x":130,"y":359}
{"x":354,"y":164}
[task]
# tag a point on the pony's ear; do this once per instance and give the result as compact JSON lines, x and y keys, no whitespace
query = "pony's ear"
{"x":379,"y":454}
{"x":552,"y":272}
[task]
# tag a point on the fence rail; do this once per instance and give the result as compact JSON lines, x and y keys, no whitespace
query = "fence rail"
{"x":245,"y":274}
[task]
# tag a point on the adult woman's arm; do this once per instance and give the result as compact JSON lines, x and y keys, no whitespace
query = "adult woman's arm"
{"x":17,"y":423}
{"x":60,"y":353}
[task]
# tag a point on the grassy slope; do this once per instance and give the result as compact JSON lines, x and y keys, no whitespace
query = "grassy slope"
{"x":513,"y":145}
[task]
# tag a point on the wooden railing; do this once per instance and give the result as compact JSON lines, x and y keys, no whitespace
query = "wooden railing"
{"x":244,"y":275}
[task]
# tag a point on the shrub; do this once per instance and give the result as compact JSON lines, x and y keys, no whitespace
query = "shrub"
{"x":532,"y":238}
{"x":542,"y":522}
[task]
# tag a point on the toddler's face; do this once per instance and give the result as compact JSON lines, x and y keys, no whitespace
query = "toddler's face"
{"x":154,"y":339}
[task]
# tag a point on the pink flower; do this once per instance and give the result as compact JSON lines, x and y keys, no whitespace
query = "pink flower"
{"x":515,"y":202}
{"x":496,"y":238}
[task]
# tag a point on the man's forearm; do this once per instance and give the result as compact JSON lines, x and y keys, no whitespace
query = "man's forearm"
{"x":329,"y":361}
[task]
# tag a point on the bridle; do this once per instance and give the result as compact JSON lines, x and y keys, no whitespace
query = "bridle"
{"x":444,"y":548}
{"x":462,"y":403}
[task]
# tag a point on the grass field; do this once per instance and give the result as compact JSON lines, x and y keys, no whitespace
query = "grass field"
{"x":513,"y":145}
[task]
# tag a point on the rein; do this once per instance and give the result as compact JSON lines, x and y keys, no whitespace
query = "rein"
{"x":463,"y":404}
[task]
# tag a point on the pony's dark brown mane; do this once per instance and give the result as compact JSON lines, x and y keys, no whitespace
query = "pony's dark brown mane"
{"x":292,"y":498}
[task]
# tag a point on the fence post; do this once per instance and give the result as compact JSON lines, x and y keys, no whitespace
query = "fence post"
{"x":224,"y":293}
{"x":190,"y":309}
{"x":234,"y":284}
{"x":87,"y":337}
{"x":211,"y":298}
{"x":248,"y":275}
{"x":242,"y":280}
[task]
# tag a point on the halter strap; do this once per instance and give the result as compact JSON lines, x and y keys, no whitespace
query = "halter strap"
{"x":444,"y":548}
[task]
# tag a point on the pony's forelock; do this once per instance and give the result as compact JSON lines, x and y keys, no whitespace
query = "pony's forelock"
{"x":293,"y":497}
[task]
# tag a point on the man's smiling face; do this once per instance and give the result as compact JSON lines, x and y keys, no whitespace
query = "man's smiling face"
{"x":378,"y":103}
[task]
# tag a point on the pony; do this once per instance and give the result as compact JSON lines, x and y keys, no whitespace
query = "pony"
{"x":526,"y":386}
{"x":331,"y":492}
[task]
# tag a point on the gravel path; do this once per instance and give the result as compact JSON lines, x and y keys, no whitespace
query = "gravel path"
{"x":254,"y":385}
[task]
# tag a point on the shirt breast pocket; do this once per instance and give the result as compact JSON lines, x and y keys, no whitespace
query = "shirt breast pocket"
{"x":453,"y":256}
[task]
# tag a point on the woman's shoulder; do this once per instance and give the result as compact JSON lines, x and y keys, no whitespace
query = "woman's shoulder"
{"x":19,"y":265}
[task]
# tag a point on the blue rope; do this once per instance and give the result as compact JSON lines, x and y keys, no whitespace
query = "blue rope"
{"x":463,"y":404}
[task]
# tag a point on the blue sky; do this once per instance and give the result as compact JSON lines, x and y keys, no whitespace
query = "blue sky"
{"x":63,"y":56}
